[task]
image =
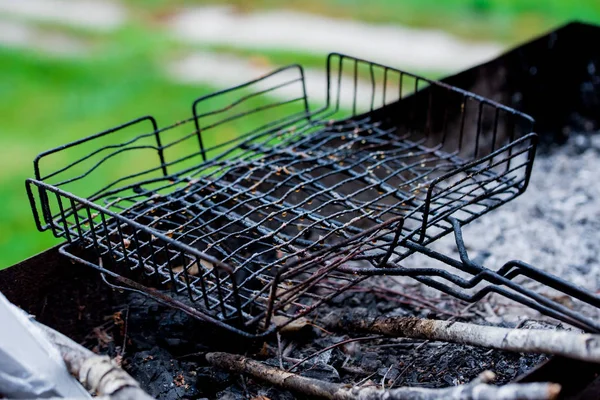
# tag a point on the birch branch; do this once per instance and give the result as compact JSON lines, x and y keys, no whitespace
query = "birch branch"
{"x":98,"y":374}
{"x":476,"y":390}
{"x":585,"y":347}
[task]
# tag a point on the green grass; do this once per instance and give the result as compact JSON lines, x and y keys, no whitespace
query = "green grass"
{"x":510,"y":21}
{"x":506,"y":20}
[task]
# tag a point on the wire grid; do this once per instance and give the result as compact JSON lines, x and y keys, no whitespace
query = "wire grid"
{"x":262,"y":224}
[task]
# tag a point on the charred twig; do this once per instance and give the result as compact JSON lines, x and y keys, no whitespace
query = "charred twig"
{"x":412,"y":300}
{"x":407,"y":367}
{"x":125,"y":332}
{"x":289,"y":349}
{"x":403,"y":345}
{"x":97,"y":373}
{"x":365,"y":379}
{"x":279,"y":356}
{"x":585,"y":347}
{"x":479,"y":389}
{"x":385,"y":376}
{"x":333,"y":346}
{"x":427,"y":302}
{"x":354,"y":370}
{"x":404,"y":370}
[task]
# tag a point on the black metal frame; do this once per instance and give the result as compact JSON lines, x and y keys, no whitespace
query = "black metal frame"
{"x":267,"y":222}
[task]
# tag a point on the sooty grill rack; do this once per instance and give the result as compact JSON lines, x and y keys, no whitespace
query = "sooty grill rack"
{"x":259,"y":208}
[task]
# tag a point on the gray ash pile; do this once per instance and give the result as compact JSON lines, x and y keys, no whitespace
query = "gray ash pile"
{"x":554,"y":225}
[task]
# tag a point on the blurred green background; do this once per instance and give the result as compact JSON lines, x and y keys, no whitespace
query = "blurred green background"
{"x":61,"y":80}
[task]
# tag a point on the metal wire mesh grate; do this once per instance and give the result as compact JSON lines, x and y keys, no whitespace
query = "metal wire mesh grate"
{"x":257,"y":206}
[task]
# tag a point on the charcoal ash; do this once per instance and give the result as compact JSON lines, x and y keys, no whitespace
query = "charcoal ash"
{"x":554,"y":225}
{"x":164,"y":350}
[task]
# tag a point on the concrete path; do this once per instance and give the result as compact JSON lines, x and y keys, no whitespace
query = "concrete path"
{"x":396,"y":46}
{"x":21,"y":35}
{"x":88,"y":14}
{"x":220,"y":70}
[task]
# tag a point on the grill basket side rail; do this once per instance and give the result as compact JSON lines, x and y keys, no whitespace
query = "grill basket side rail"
{"x":122,"y":248}
{"x":476,"y":154}
{"x":477,"y":188}
{"x":119,"y":158}
{"x":139,"y":258}
{"x":253,"y":113}
{"x":68,"y":170}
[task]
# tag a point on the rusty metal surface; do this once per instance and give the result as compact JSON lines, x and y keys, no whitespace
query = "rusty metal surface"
{"x":27,"y":282}
{"x":579,"y":380}
{"x":555,"y":78}
{"x":66,"y":297}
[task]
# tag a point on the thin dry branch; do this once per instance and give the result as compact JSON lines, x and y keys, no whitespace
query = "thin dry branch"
{"x":333,"y":346}
{"x":98,"y":374}
{"x":476,"y":390}
{"x":585,"y":347}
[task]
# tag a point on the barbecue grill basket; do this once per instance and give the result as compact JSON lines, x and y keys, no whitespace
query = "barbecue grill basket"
{"x":259,"y":207}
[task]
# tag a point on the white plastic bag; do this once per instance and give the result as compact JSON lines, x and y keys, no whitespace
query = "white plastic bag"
{"x":30,"y":366}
